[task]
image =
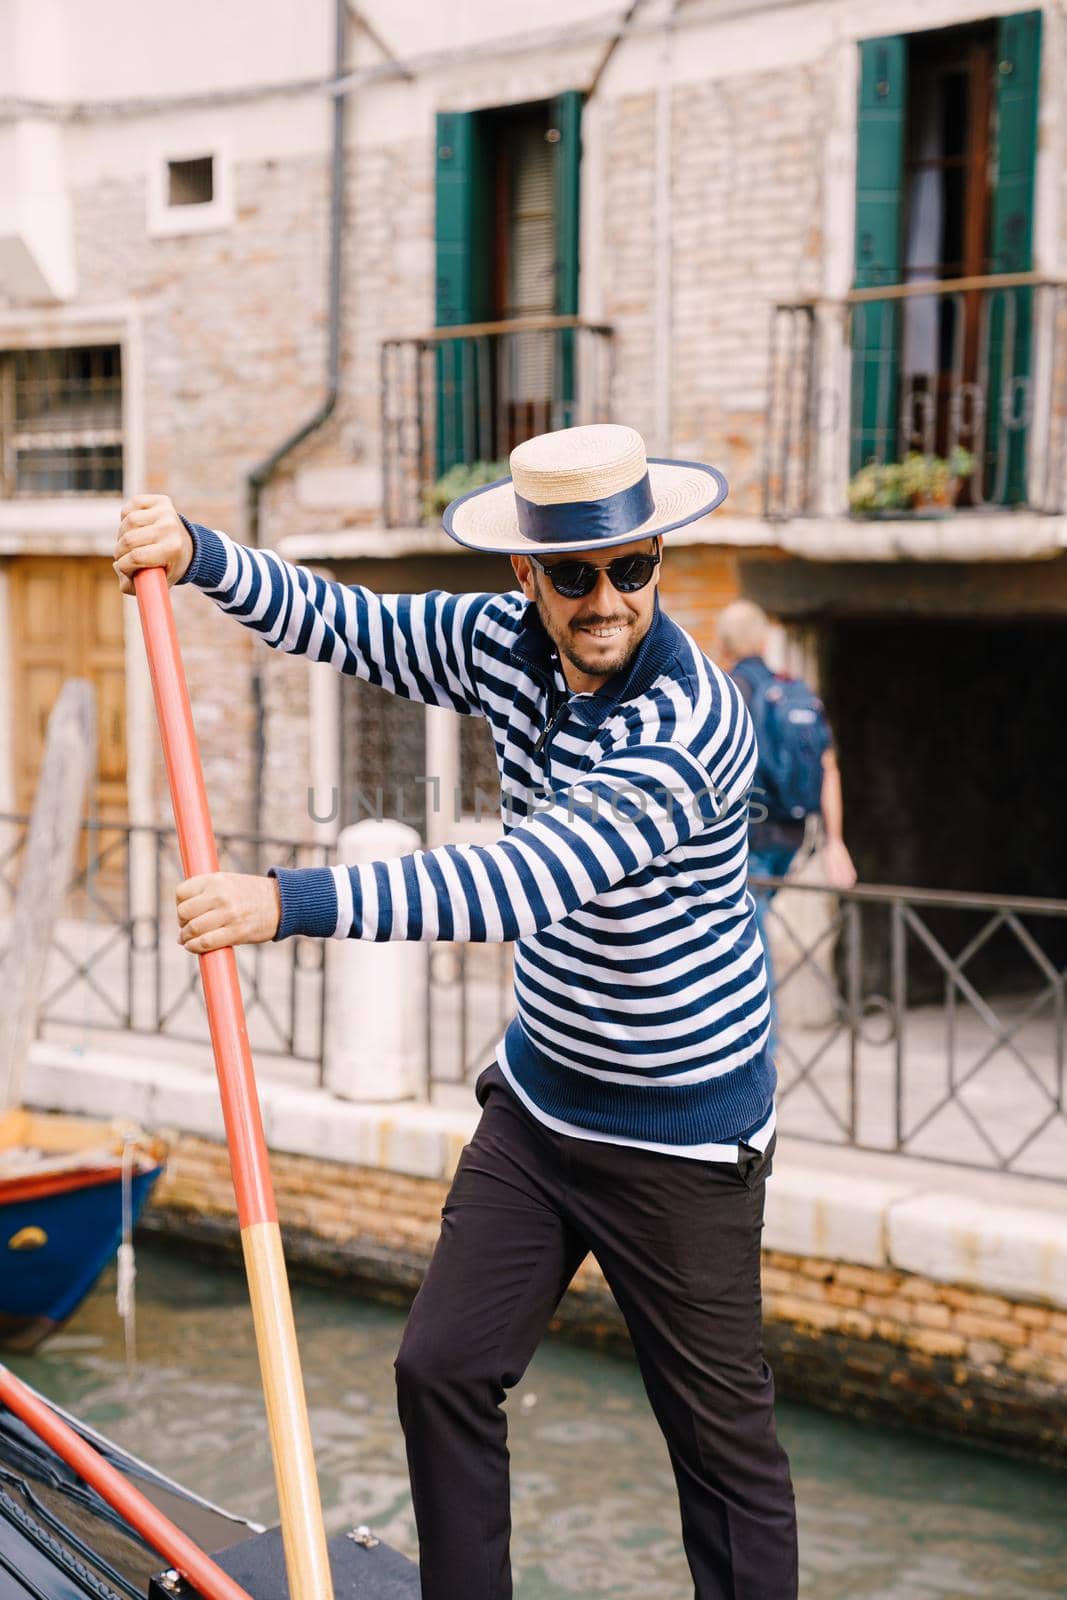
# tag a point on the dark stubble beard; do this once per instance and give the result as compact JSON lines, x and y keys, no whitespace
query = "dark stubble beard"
{"x":565,"y":641}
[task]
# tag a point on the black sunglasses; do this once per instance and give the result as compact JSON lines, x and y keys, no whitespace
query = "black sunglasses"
{"x":575,"y":579}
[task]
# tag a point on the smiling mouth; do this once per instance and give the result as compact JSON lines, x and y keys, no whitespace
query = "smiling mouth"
{"x":601,"y":632}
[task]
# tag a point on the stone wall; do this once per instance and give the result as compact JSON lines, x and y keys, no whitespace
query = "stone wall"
{"x":234,"y":354}
{"x":234,"y":329}
{"x":696,"y":582}
{"x":883,"y":1344}
{"x":746,"y":205}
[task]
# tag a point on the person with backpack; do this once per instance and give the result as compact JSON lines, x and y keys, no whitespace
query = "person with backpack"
{"x":797,"y":775}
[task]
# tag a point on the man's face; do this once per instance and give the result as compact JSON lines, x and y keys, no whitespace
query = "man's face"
{"x":598,"y":634}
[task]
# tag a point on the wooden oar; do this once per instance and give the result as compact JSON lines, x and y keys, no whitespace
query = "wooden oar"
{"x":47,"y":864}
{"x":303,"y":1535}
{"x":163,"y":1535}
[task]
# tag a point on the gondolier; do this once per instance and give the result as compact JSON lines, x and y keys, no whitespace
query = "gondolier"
{"x":629,"y":1109}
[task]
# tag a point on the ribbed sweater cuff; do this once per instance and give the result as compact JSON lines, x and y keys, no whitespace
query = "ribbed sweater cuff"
{"x":309,"y":901}
{"x":208,"y":566}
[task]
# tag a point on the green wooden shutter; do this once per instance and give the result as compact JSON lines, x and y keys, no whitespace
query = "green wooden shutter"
{"x":879,"y":213}
{"x":1012,"y":250}
{"x":460,"y":266}
{"x":566,"y":117}
{"x":1018,"y":74}
{"x":454,"y":234}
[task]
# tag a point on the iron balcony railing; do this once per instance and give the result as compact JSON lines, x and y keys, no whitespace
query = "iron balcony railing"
{"x":967,"y":368}
{"x":115,"y":964}
{"x":461,"y":396}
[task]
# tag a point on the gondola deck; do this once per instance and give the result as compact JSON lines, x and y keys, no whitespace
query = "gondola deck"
{"x":60,"y":1541}
{"x":359,"y":1572}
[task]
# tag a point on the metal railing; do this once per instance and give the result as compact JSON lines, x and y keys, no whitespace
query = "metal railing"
{"x":115,"y":963}
{"x":928,"y":1024}
{"x":468,"y":394}
{"x":970,"y":364}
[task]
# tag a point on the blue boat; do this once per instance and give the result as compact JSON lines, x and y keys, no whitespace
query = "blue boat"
{"x":61,"y":1214}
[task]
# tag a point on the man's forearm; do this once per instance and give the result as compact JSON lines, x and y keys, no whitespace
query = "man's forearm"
{"x":622,"y":815}
{"x":418,"y":646}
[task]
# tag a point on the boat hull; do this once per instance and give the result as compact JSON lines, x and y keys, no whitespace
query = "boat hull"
{"x":56,"y":1237}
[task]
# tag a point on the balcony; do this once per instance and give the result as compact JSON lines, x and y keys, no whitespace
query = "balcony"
{"x":456,"y":401}
{"x":970,"y":372}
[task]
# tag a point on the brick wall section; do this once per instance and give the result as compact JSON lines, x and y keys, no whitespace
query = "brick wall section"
{"x":746,"y":198}
{"x":696,"y":582}
{"x":234,"y":331}
{"x":233,"y":325}
{"x":876,"y":1343}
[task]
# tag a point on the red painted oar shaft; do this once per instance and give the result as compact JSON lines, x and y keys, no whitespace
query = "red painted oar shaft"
{"x":173,"y":1545}
{"x":306,"y":1556}
{"x":196,"y":842}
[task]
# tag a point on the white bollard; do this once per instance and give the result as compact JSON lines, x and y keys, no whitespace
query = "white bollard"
{"x":375,"y":993}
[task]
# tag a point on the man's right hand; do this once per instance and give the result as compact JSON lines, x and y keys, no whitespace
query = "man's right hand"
{"x":151,"y":534}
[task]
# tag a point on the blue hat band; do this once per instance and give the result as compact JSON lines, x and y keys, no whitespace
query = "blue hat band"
{"x":587,"y":522}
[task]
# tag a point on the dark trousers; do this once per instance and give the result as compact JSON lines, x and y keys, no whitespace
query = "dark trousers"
{"x":679,"y":1245}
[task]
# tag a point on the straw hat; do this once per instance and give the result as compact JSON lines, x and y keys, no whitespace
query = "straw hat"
{"x":581,"y":487}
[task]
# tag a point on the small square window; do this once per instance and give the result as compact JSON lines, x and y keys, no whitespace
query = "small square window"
{"x":190,"y":187}
{"x":191,"y":183}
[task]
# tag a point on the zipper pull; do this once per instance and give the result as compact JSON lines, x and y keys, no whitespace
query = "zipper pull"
{"x":549,"y":727}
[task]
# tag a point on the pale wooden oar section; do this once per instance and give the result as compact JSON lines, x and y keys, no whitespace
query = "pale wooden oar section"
{"x":306,"y":1558}
{"x":287,"y":1419}
{"x":47,"y":867}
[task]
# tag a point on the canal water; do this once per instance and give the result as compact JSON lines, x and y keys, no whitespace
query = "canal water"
{"x":884,"y":1516}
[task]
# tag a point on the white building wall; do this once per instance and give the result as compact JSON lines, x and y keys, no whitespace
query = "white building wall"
{"x":751,"y":172}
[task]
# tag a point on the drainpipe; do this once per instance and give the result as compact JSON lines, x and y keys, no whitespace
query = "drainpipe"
{"x":262,"y":473}
{"x":664,"y":320}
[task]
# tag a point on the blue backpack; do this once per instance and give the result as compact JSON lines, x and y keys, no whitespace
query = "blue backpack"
{"x":792,"y":735}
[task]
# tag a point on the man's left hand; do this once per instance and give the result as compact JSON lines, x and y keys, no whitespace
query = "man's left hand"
{"x":225,"y":908}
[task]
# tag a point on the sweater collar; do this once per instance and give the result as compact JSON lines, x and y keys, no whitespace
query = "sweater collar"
{"x":654,"y":654}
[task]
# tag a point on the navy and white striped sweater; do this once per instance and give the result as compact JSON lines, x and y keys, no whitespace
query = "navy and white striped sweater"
{"x":639,"y":978}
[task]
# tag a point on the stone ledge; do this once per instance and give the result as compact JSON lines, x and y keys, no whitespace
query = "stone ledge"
{"x":377,"y":541}
{"x":957,"y":536}
{"x":1020,"y":1254}
{"x":987,"y":1232}
{"x":77,"y":526}
{"x":407,"y":1137}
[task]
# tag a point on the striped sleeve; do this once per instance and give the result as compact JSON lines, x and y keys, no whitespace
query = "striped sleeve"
{"x":633,"y":807}
{"x":419,"y":646}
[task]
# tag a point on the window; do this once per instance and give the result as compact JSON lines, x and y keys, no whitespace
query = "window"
{"x":191,"y":183}
{"x":61,"y":421}
{"x":947,"y":141}
{"x":507,"y":250}
{"x":190,"y":190}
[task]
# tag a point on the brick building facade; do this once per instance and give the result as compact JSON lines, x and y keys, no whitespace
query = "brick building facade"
{"x":172,"y":201}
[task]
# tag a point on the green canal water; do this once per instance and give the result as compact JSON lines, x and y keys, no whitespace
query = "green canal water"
{"x":884,"y":1516}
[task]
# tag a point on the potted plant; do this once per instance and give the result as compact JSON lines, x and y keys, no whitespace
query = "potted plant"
{"x":878,"y":489}
{"x":937,"y":480}
{"x":465,"y":475}
{"x":917,"y":482}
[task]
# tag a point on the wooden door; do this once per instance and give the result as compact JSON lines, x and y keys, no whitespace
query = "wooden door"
{"x":67,"y":621}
